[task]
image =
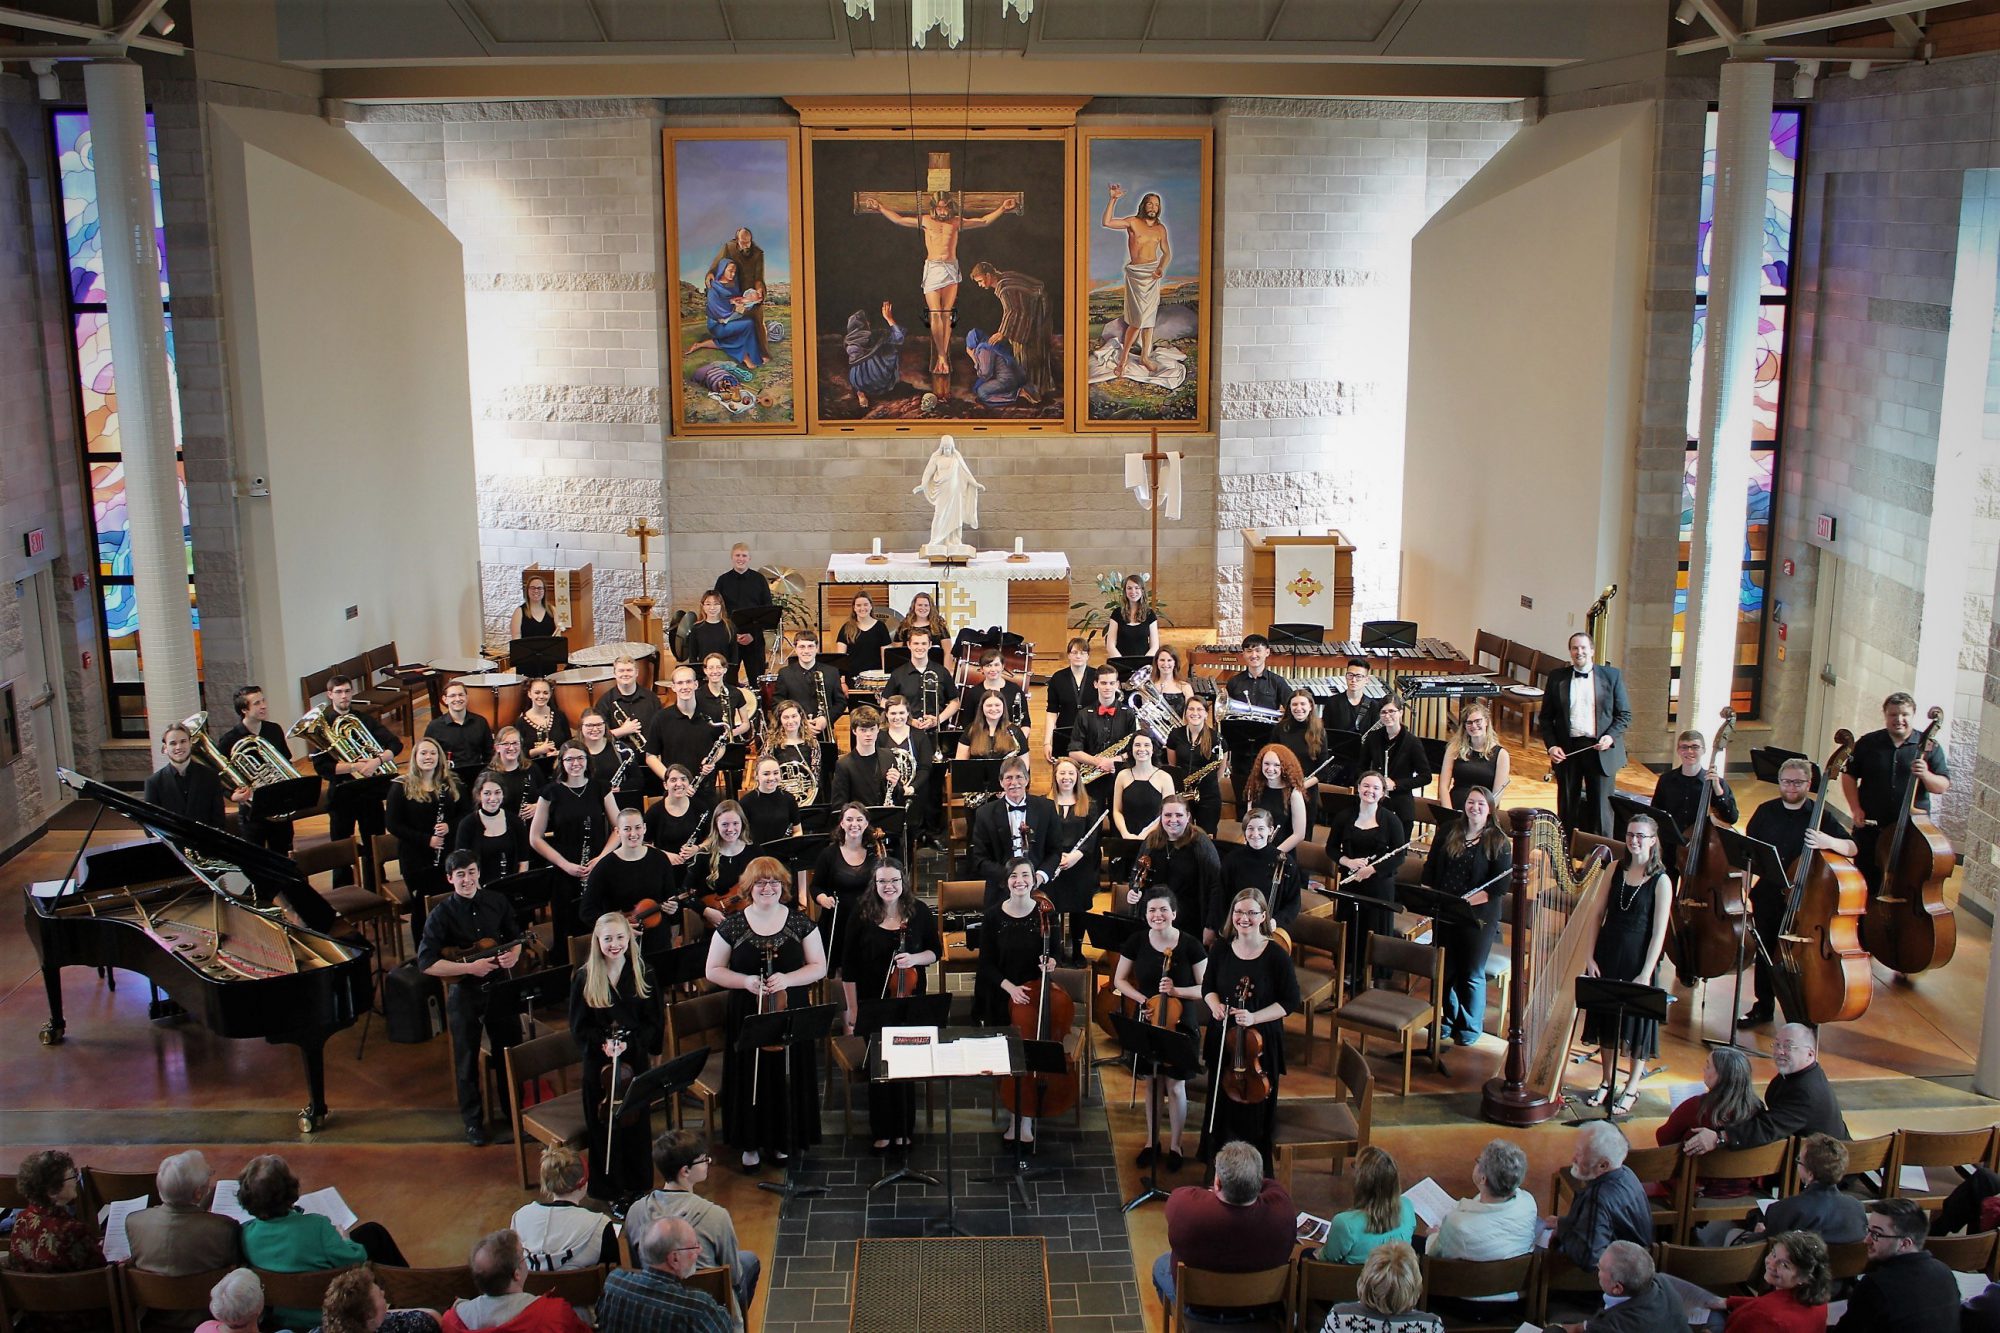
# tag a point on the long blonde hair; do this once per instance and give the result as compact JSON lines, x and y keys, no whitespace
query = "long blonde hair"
{"x":597,"y":977}
{"x":1461,"y":744}
{"x":440,"y":781}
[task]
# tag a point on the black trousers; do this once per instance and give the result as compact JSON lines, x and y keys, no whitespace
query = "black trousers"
{"x":1767,"y":910}
{"x":1583,"y":789}
{"x":468,"y":1013}
{"x":273,"y":835}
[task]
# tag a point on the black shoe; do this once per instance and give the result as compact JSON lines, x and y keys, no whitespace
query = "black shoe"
{"x":476,"y":1136}
{"x":1174,"y":1160}
{"x":1756,"y":1018}
{"x":1146,"y":1155}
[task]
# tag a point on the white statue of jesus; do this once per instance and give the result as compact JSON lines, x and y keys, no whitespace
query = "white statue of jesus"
{"x":954,"y":495}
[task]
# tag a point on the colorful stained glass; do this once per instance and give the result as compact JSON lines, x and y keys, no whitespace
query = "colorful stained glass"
{"x":1770,"y":373}
{"x":1780,"y":193}
{"x":81,"y":227}
{"x":97,"y":383}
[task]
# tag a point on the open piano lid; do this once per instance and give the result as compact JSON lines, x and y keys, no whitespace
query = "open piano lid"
{"x":231,"y":866}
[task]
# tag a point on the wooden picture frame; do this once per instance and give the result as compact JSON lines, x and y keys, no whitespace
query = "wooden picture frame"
{"x":1009,"y":166}
{"x":714,"y":178}
{"x":1176,"y":165}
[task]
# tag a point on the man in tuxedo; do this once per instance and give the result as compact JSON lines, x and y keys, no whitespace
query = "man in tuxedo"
{"x":1015,"y":824}
{"x":1586,"y":710}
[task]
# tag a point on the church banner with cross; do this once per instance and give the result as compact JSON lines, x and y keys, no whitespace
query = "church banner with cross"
{"x":1305,"y":583}
{"x":938,"y":268}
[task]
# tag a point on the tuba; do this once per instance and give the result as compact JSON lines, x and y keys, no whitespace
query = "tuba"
{"x":251,"y":762}
{"x":345,"y":735}
{"x":1155,"y":714}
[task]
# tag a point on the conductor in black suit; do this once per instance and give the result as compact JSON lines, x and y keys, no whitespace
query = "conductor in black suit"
{"x":1013,"y":824}
{"x":1586,"y":709}
{"x":182,"y":786}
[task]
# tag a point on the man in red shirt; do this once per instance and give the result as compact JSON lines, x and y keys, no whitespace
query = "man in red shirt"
{"x":1243,"y":1223}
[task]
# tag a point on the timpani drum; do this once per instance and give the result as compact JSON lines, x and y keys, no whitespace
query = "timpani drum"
{"x":576,"y":688}
{"x":644,"y":656}
{"x":497,"y":696}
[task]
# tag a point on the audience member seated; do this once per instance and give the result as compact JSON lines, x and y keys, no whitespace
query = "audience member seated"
{"x":500,"y":1271}
{"x":279,"y":1238}
{"x":564,"y":1233}
{"x":1981,"y":1314}
{"x":656,"y":1297}
{"x":1819,"y":1207}
{"x":1380,"y":1212}
{"x":1501,"y":1223}
{"x":1636,"y":1299}
{"x":1728,"y":1101}
{"x":1974,"y":1205}
{"x":1610,"y":1203}
{"x":48,"y":1237}
{"x":1801,"y":1282}
{"x":1390,"y":1286}
{"x":682,"y":1159}
{"x":1798,"y":1101}
{"x":1244,"y":1222}
{"x":180,"y":1237}
{"x":355,"y":1304}
{"x":1905,"y":1287}
{"x":235,"y":1304}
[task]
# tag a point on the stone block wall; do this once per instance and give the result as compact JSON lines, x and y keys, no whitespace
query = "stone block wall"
{"x":1318,"y":203}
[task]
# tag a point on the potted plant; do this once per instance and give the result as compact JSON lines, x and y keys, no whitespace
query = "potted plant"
{"x":1096,"y":617}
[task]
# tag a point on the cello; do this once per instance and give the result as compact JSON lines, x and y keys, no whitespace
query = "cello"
{"x":1711,"y":908}
{"x":1046,"y":1014}
{"x":1821,"y":963}
{"x":1909,"y":927}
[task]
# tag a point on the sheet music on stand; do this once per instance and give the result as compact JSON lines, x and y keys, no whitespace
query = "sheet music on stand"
{"x":921,"y":1052}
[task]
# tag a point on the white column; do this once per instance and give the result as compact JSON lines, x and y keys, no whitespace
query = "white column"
{"x":116,"y":96}
{"x":1722,"y":466}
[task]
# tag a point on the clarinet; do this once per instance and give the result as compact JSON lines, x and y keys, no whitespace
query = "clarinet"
{"x":440,"y":828}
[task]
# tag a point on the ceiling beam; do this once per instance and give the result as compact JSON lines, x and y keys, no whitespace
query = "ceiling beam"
{"x":1724,"y":26}
{"x":136,"y":22}
{"x":1838,"y":18}
{"x":15,"y":18}
{"x":1864,"y":54}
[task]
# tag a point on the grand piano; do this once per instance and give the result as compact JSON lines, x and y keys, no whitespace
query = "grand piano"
{"x":231,"y":932}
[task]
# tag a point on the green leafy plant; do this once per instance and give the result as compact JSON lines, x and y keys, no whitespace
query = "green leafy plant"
{"x":1096,"y":617}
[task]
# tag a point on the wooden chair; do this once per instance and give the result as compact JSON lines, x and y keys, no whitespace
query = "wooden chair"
{"x":1319,"y":957}
{"x":1965,"y":1254}
{"x":389,"y":694}
{"x":148,"y":1294}
{"x":1864,"y":1156}
{"x":103,"y":1188}
{"x":557,"y":1119}
{"x":714,"y":1281}
{"x":1725,"y":1164}
{"x":10,"y":1193}
{"x":1847,"y":1260}
{"x":361,"y":906}
{"x":1319,"y":872}
{"x":92,"y":1291}
{"x":1726,"y":1270}
{"x":1660,"y":1165}
{"x":578,"y":1286}
{"x":959,"y":895}
{"x":1081,"y":1044}
{"x":296,"y":1291}
{"x":1501,"y":1287}
{"x":1517,"y":667}
{"x":425,"y":1288}
{"x":700,"y":1020}
{"x":1231,"y":1291}
{"x":382,"y":851}
{"x":1555,"y":1275}
{"x":1326,"y":1128}
{"x":1950,"y":1154}
{"x":1489,"y":651}
{"x":312,"y":685}
{"x":1398,"y":1015}
{"x":1319,"y":1287}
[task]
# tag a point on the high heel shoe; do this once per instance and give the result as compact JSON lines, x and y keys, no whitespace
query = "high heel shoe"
{"x":1599,"y":1095}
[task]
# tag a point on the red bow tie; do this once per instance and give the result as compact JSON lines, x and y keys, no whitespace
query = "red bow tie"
{"x":1107,"y":710}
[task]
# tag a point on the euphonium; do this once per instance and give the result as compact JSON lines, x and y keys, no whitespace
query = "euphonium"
{"x":1151,"y":707}
{"x":346,"y":736}
{"x":251,"y":762}
{"x":1228,"y":708}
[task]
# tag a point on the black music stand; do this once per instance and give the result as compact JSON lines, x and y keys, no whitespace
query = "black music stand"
{"x":1158,"y":1047}
{"x":537,"y":657}
{"x":912,"y":1011}
{"x":1380,"y":635}
{"x":894,"y":821}
{"x":801,"y":849}
{"x":680,"y":965}
{"x":1619,"y":1000}
{"x":1289,"y":638}
{"x":755,"y":620}
{"x":285,"y":800}
{"x":1766,"y":760}
{"x":1037,"y":1057}
{"x":1342,"y":762}
{"x":1673,"y":843}
{"x":816,"y":820}
{"x":550,"y":985}
{"x":971,"y":775}
{"x":662,"y":1083}
{"x":1759,"y":861}
{"x":1126,"y":665}
{"x":526,"y":889}
{"x":806,"y":1025}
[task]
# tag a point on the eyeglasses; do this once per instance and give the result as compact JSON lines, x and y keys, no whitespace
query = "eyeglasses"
{"x":702,"y":1160}
{"x":1873,"y":1234}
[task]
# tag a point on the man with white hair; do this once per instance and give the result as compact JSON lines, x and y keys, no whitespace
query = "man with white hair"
{"x":1610,"y":1203}
{"x":1798,"y":1101}
{"x":235,"y":1304}
{"x":180,"y":1237}
{"x":656,"y":1298}
{"x":1636,"y":1299}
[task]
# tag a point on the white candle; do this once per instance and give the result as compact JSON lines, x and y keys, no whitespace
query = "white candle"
{"x":878,"y":547}
{"x":1017,"y":546}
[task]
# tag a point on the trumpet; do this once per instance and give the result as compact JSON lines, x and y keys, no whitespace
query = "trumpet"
{"x":251,"y":762}
{"x":345,"y":735}
{"x":1231,"y":709}
{"x":1111,"y":751}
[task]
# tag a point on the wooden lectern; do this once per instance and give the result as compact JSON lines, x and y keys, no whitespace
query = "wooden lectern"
{"x":582,"y":603}
{"x":1262,"y":552}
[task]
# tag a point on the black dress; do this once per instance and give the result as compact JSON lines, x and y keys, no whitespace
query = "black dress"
{"x":629,"y":1170}
{"x":499,"y":856}
{"x":705,"y":637}
{"x":1147,"y":964}
{"x":531,"y":628}
{"x":1467,"y":940}
{"x":544,"y":766}
{"x":1247,"y":867}
{"x":1271,"y":981}
{"x":869,"y":950}
{"x":833,"y":875}
{"x":1142,"y":805}
{"x":1347,"y":839}
{"x":1207,"y":810}
{"x":618,"y":885}
{"x":413,"y":823}
{"x":768,"y":818}
{"x":718,"y":872}
{"x":864,"y":651}
{"x":1010,"y":949}
{"x":1473,"y":770}
{"x":1131,"y":640}
{"x":1622,"y":942}
{"x":1405,"y":763}
{"x":1075,"y":890}
{"x":1277,"y":803}
{"x":576,"y":829}
{"x":755,"y":1114}
{"x":1292,"y":735}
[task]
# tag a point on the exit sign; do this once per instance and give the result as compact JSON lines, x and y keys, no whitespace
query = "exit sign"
{"x":35,"y":541}
{"x":1823,"y":527}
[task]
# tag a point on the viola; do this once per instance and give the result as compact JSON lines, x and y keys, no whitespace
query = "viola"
{"x":490,"y":947}
{"x":1711,"y":909}
{"x":1163,"y":1009}
{"x":612,"y":1083}
{"x":1241,"y":1068}
{"x":1046,"y":1013}
{"x":1909,"y":926}
{"x":901,"y":982}
{"x":767,"y":1003}
{"x":1821,"y":964}
{"x":1142,"y":875}
{"x":651,"y":913}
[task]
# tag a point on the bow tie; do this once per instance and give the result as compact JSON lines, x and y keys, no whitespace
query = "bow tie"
{"x":1020,"y":809}
{"x":1582,"y":675}
{"x":1107,"y":710}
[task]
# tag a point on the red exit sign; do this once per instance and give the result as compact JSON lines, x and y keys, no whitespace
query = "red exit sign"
{"x":36,"y":541}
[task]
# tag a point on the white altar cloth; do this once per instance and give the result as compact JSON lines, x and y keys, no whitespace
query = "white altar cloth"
{"x":972,"y":594}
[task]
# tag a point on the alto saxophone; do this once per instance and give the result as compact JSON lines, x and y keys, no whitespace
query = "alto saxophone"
{"x":1111,"y":751}
{"x":1191,"y":785}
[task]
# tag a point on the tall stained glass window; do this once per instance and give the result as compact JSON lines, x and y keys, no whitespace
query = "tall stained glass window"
{"x":97,"y":412}
{"x":1767,"y":408}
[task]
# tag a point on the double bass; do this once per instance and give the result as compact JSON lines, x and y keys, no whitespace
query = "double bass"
{"x":1909,"y":927}
{"x":1045,"y":1014}
{"x":1821,"y":965}
{"x":1711,"y":907}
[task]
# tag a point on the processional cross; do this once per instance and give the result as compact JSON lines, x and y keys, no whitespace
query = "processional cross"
{"x":643,"y":529}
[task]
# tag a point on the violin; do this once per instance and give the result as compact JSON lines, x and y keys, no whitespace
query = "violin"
{"x":1711,"y":909}
{"x":901,"y":982}
{"x":1240,"y":1068}
{"x":729,"y":901}
{"x":613,"y":1081}
{"x":652,"y":913}
{"x":1142,"y":875}
{"x":1045,"y":1014}
{"x":1909,"y":926}
{"x":1163,"y":1009}
{"x":492,"y":948}
{"x":1821,"y":963}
